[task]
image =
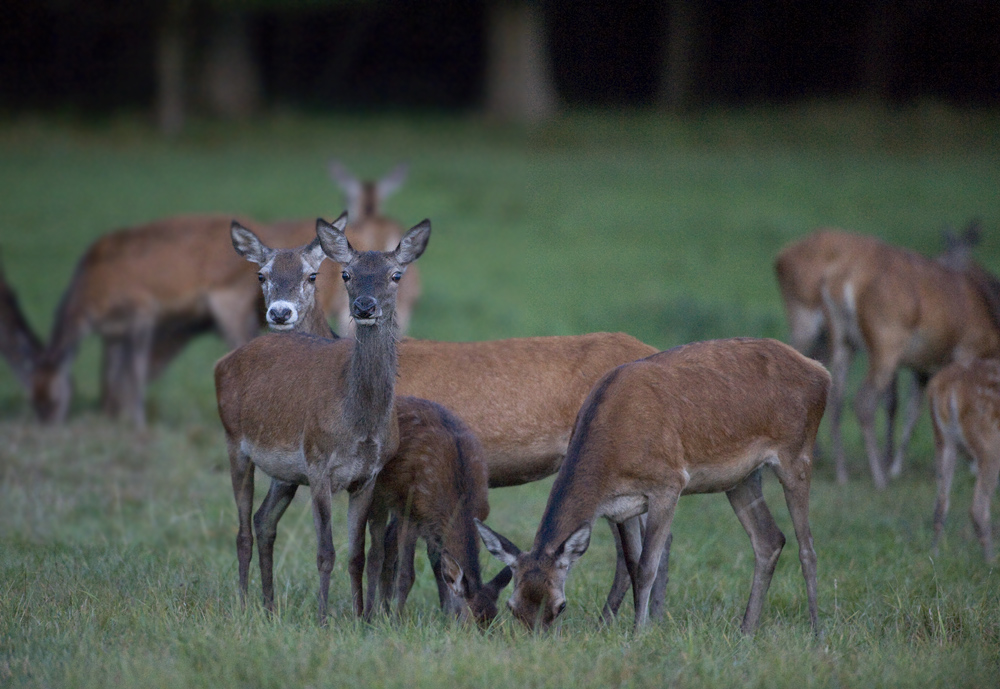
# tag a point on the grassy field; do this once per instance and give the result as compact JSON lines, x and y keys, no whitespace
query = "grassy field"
{"x":117,"y":554}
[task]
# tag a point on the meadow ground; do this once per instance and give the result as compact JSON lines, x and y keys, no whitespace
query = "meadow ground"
{"x":117,"y":553}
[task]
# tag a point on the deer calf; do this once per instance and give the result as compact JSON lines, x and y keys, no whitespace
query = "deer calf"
{"x":699,"y":418}
{"x":435,"y":486}
{"x":965,"y":409}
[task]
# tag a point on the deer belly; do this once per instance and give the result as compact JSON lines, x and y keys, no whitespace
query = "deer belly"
{"x":623,"y":507}
{"x":288,"y":465}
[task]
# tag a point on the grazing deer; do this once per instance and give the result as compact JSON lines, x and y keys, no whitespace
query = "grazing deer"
{"x":435,"y":485}
{"x":518,"y":396}
{"x":369,"y":230}
{"x":18,"y":343}
{"x":318,"y":412}
{"x":822,"y":278}
{"x":965,"y":409}
{"x":699,"y":418}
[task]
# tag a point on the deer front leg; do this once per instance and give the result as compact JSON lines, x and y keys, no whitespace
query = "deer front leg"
{"x":622,"y":580}
{"x":865,"y":406}
{"x":325,"y":555}
{"x":407,"y":574}
{"x":659,"y":519}
{"x":265,"y":522}
{"x":747,"y":500}
{"x":914,"y":402}
{"x":376,"y":557}
{"x":982,"y":448}
{"x":358,"y":506}
{"x":241,"y":472}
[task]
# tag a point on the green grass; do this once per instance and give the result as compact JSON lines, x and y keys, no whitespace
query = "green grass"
{"x":117,"y":552}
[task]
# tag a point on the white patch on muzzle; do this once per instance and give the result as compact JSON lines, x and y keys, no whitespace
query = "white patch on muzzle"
{"x":292,"y":319}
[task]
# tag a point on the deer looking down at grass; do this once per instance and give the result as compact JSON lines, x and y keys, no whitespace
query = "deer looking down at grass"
{"x":700,"y":418}
{"x":518,"y":396}
{"x":320,"y":412}
{"x":902,"y":309}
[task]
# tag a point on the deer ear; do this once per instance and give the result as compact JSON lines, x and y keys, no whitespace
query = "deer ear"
{"x":248,"y":245}
{"x":573,"y":547}
{"x":314,"y":253}
{"x":500,"y":547}
{"x":390,"y":184}
{"x":452,"y":574}
{"x":334,"y":241}
{"x":347,"y":182}
{"x":413,"y":243}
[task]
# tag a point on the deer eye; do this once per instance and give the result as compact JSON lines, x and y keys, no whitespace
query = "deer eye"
{"x":397,"y":276}
{"x":562,"y":606}
{"x":312,"y":277}
{"x":260,"y":277}
{"x":346,"y":276}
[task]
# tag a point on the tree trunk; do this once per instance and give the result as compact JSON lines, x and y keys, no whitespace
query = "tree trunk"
{"x":519,"y":82}
{"x":680,"y":55}
{"x":170,"y":57}
{"x":231,"y":82}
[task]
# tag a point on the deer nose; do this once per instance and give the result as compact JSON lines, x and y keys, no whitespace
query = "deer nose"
{"x":279,"y":315}
{"x":365,"y":307}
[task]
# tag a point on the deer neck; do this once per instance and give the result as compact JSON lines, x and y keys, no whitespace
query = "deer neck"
{"x":313,"y":322}
{"x":371,"y":378}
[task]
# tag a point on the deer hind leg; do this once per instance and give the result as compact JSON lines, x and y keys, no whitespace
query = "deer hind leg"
{"x":658,"y":595}
{"x":795,"y":477}
{"x":659,"y":518}
{"x":265,"y":523}
{"x":747,"y":500}
{"x":407,"y":574}
{"x":840,"y":360}
{"x":390,"y":562}
{"x":873,"y":390}
{"x":982,"y":494}
{"x":377,"y":521}
{"x":241,"y":473}
{"x":141,"y":344}
{"x":914,"y":402}
{"x":114,"y":355}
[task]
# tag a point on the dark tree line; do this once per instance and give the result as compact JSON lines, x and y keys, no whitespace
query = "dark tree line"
{"x":514,"y":59}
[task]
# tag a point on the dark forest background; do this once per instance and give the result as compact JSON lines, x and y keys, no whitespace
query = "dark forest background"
{"x":518,"y":59}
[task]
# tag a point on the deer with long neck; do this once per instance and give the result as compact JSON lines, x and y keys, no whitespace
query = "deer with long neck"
{"x":822,"y":279}
{"x":18,"y":343}
{"x":369,"y":228}
{"x":316,"y":411}
{"x":965,"y":408}
{"x":436,"y":482}
{"x":700,"y":418}
{"x":518,"y":396}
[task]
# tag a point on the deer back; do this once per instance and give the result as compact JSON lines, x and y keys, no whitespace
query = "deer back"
{"x":519,"y":396}
{"x":965,"y":402}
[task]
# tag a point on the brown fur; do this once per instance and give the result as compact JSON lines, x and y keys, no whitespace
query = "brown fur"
{"x":701,"y":418}
{"x":18,"y":344}
{"x":965,"y":408}
{"x":856,"y":290}
{"x":310,"y":410}
{"x":435,"y":485}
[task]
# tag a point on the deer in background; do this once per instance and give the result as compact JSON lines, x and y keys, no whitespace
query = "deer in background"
{"x":18,"y":344}
{"x":965,"y":408}
{"x":700,"y":418}
{"x":369,"y":230}
{"x":518,"y":396}
{"x":822,"y":279}
{"x":319,"y":412}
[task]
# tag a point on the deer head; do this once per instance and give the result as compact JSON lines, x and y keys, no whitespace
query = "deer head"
{"x":467,"y":602}
{"x":372,"y":277}
{"x":287,"y":276}
{"x":539,"y":594}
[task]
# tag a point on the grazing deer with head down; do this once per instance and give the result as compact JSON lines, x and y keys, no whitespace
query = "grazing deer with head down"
{"x":436,"y":487}
{"x":700,"y":418}
{"x":369,"y":229}
{"x":822,"y":279}
{"x":18,"y":343}
{"x":518,"y":396}
{"x":965,"y":408}
{"x":319,"y":412}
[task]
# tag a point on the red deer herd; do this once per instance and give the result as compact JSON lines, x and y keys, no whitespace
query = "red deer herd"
{"x":417,"y":431}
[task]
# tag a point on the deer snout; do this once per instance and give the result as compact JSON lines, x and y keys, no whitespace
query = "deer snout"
{"x":282,"y":315}
{"x":365,"y":310}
